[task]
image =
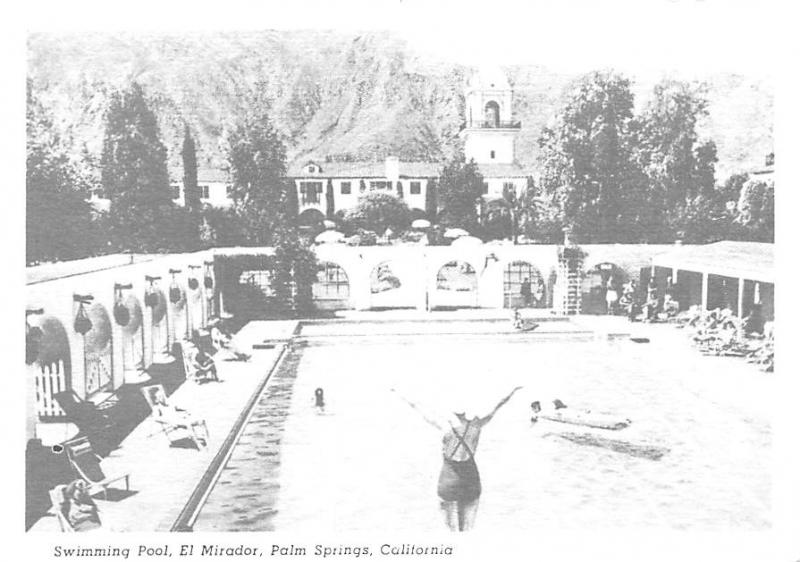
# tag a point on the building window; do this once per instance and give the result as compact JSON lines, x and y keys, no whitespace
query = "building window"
{"x":203,"y":191}
{"x":491,"y":154}
{"x":485,"y":188}
{"x":373,"y":185}
{"x":310,"y":192}
{"x":508,"y":186}
{"x":345,"y":187}
{"x":229,"y":190}
{"x":416,"y":188}
{"x":176,"y":191}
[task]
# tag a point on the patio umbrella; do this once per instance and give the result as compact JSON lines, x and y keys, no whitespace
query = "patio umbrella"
{"x":329,"y":237}
{"x":455,"y":233}
{"x":329,"y":225}
{"x":421,"y":224}
{"x":466,"y":241}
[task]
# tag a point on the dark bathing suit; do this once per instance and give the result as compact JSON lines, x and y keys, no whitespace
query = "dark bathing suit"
{"x":459,"y":481}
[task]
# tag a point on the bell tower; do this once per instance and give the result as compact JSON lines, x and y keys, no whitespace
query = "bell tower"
{"x":490,"y":130}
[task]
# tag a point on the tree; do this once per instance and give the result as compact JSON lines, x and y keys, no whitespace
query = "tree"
{"x":460,"y":189}
{"x":57,"y":214}
{"x":586,"y":156}
{"x":431,"y":204}
{"x":756,"y":210}
{"x":378,"y":211}
{"x":295,"y":270}
{"x":134,"y":173}
{"x":191,"y":191}
{"x":261,"y":193}
{"x":679,"y":166}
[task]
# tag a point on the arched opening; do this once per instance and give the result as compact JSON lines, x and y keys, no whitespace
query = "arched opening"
{"x":53,"y":368}
{"x":385,"y":287}
{"x":195,"y":306}
{"x":178,"y":313}
{"x":156,"y":301}
{"x":523,"y":286}
{"x":311,"y":219}
{"x":601,"y":289}
{"x":492,"y":114}
{"x":132,"y":335}
{"x":97,"y":352}
{"x":331,"y":289}
{"x":456,"y":286}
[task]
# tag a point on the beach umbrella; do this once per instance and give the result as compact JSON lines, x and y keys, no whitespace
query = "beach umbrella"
{"x":455,"y":233}
{"x":329,"y":225}
{"x":466,"y":241}
{"x":421,"y":224}
{"x":329,"y":237}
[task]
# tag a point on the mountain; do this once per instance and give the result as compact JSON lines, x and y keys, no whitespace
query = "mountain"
{"x":345,"y":97}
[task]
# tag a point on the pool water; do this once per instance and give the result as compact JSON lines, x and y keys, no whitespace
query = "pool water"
{"x":695,"y":457}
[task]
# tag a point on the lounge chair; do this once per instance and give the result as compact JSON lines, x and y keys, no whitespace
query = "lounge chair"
{"x":87,"y":464}
{"x":194,"y":371}
{"x":58,"y":507}
{"x":91,"y":421}
{"x":172,"y":419}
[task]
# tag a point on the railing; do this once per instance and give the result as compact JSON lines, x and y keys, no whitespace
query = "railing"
{"x":491,"y":124}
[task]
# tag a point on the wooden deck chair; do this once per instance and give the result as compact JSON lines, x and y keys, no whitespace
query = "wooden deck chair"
{"x":171,"y":419}
{"x":192,"y":370}
{"x":57,"y":509}
{"x":87,"y":464}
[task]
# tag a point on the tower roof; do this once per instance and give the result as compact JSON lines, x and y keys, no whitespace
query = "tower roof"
{"x":489,"y":78}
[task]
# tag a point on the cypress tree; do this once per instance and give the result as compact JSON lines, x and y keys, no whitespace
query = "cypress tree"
{"x":191,"y":191}
{"x":330,"y":210}
{"x":134,"y":174}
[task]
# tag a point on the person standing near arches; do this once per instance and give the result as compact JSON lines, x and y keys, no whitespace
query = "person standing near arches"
{"x":459,"y":486}
{"x":525,"y":292}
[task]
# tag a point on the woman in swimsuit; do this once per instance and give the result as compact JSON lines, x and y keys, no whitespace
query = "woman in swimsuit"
{"x":459,"y":481}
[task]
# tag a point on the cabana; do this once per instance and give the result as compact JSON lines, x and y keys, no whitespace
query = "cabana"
{"x":729,"y":274}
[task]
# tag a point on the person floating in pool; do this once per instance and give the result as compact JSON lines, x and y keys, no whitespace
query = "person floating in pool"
{"x":459,"y":485}
{"x":319,"y":400}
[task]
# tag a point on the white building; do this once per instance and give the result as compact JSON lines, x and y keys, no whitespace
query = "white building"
{"x":347,"y":181}
{"x":214,"y":186}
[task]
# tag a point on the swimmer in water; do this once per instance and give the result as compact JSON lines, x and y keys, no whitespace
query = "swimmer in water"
{"x":536,"y":408}
{"x":319,"y":400}
{"x":459,"y":485}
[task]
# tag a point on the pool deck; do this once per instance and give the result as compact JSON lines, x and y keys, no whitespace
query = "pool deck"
{"x":163,"y":477}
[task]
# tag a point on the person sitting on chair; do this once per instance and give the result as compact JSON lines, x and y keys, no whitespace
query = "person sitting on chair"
{"x":204,"y":364}
{"x":79,"y":507}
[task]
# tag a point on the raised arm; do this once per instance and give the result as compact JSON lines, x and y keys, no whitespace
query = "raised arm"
{"x":419,"y":410}
{"x":487,"y":419}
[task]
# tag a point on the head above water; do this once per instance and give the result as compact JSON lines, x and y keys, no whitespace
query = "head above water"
{"x":319,"y":392}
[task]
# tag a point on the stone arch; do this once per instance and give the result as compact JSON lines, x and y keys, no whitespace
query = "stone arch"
{"x":98,"y":352}
{"x":387,"y":289}
{"x":515,"y":275}
{"x":311,"y":218}
{"x":331,"y":289}
{"x":52,"y":367}
{"x":456,"y":285}
{"x":595,"y":286}
{"x":491,"y":112}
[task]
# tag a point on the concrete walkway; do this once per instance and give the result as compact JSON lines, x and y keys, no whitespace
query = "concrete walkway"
{"x":163,"y":476}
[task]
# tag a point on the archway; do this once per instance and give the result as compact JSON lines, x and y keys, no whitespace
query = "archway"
{"x":386,"y":288}
{"x":194,"y":304}
{"x":456,"y":286}
{"x":492,"y":114}
{"x":132,"y":335}
{"x":178,"y":314}
{"x":597,"y":281}
{"x":331,"y":289}
{"x":53,"y":367}
{"x":97,"y":352}
{"x":311,"y":219}
{"x":520,"y":278}
{"x":156,"y":301}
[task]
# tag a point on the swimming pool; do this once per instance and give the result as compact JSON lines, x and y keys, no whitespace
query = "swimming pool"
{"x":696,"y":455}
